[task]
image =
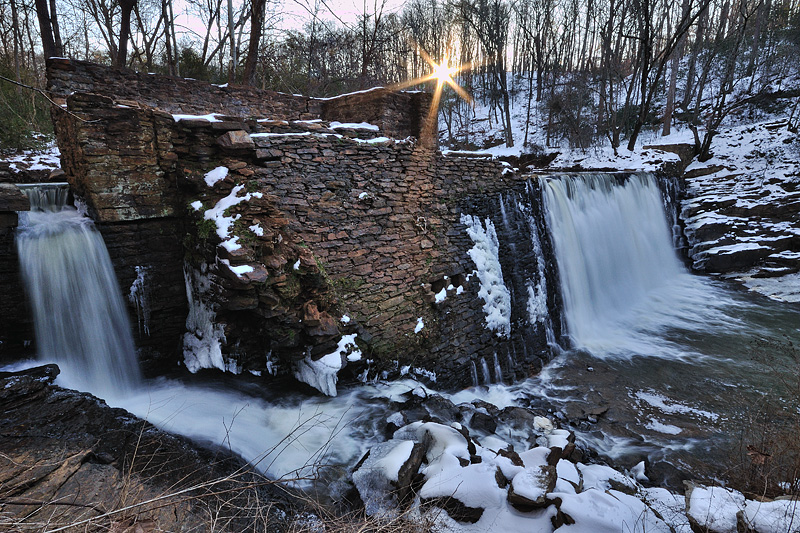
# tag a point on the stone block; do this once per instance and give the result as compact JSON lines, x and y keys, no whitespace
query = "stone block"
{"x":236,"y":140}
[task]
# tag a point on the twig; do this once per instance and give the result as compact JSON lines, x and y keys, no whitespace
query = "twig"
{"x":43,"y":93}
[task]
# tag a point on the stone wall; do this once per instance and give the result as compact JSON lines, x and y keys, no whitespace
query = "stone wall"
{"x":16,"y":327}
{"x":397,"y":114}
{"x":338,"y":221}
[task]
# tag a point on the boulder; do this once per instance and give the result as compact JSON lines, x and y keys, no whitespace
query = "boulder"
{"x":530,"y":487}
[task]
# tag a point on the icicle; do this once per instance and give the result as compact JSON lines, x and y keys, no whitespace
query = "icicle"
{"x":474,"y":371}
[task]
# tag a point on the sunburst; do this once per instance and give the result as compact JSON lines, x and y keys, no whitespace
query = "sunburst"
{"x":442,"y":72}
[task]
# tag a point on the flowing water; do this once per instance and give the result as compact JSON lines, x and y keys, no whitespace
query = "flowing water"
{"x":79,"y":316}
{"x":664,"y":364}
{"x":659,"y":362}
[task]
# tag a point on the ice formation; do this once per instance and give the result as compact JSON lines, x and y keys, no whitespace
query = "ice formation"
{"x":486,"y":256}
{"x":322,"y":373}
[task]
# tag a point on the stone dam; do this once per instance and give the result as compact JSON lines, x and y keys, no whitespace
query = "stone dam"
{"x":252,"y":230}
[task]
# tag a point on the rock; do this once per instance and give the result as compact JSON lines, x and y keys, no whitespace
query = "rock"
{"x":67,"y":457}
{"x":12,"y":198}
{"x":483,"y":422}
{"x":327,"y":326}
{"x":236,"y":140}
{"x":44,"y":373}
{"x":408,"y":474}
{"x":311,"y":316}
{"x":456,"y":509}
{"x":530,"y":487}
{"x":702,"y":171}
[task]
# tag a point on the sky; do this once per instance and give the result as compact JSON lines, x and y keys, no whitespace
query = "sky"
{"x":294,"y":14}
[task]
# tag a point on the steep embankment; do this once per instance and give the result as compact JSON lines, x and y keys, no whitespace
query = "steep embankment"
{"x":742,"y":209}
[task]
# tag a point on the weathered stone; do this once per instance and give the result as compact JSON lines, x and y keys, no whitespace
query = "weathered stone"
{"x":311,"y":316}
{"x":13,"y":199}
{"x":236,"y":140}
{"x":327,"y":327}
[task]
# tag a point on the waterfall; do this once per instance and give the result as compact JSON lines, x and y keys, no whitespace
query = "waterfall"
{"x":487,"y":377}
{"x":613,"y":246}
{"x":79,"y":316}
{"x":498,"y":372}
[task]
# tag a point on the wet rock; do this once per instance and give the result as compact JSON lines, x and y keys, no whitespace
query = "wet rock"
{"x":483,"y":422}
{"x":13,"y":199}
{"x":408,"y":475}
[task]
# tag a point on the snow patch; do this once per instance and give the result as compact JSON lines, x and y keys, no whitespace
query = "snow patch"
{"x":486,"y":256}
{"x":212,"y":117}
{"x":353,"y":126}
{"x":214,"y":176}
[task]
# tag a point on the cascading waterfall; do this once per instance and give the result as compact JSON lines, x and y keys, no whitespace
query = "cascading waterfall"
{"x":79,"y":316}
{"x":498,"y":372}
{"x":613,"y":247}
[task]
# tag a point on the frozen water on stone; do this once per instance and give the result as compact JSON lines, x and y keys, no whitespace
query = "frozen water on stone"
{"x":485,"y":255}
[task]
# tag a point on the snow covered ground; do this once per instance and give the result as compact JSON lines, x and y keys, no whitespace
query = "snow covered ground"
{"x":31,"y":165}
{"x":742,"y":209}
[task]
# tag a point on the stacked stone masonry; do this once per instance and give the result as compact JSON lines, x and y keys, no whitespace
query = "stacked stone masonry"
{"x":350,"y":223}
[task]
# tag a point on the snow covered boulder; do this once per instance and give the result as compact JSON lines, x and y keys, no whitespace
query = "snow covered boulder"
{"x":712,"y":509}
{"x":530,"y":487}
{"x":721,"y":510}
{"x":384,"y":478}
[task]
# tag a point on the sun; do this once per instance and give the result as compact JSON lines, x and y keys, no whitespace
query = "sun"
{"x":442,"y":73}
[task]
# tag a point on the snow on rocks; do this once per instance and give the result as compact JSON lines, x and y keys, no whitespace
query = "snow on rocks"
{"x":214,"y":176}
{"x":741,"y":205}
{"x":723,"y":510}
{"x":224,"y":222}
{"x":486,"y":256}
{"x":322,"y":372}
{"x":485,"y":486}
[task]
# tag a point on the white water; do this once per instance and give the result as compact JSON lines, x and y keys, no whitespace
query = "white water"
{"x":79,"y":317}
{"x":621,"y":280}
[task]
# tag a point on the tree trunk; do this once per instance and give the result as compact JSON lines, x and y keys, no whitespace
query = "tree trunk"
{"x":56,"y":30}
{"x":46,"y":29}
{"x":167,"y":39}
{"x":232,"y":63}
{"x":256,"y":28}
{"x":124,"y":32}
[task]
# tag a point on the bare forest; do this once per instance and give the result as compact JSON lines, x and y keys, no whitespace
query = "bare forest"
{"x":575,"y":73}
